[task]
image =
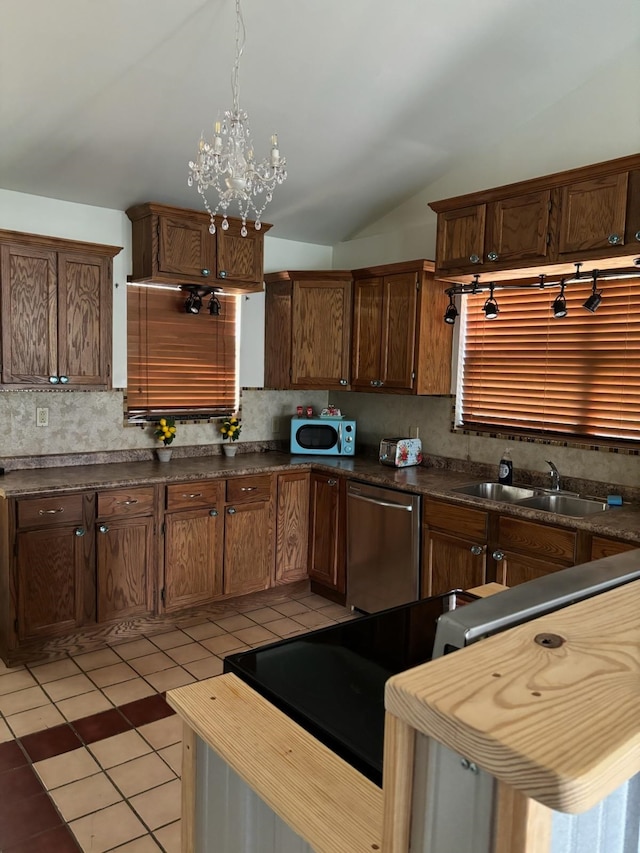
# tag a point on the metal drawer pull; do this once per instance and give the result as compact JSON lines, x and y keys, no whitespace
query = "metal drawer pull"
{"x":193,"y":495}
{"x":498,"y":556}
{"x":476,"y":550}
{"x":248,"y":488}
{"x":231,"y":511}
{"x":213,"y":512}
{"x":50,"y":511}
{"x":79,"y":531}
{"x":126,"y":503}
{"x":332,"y":482}
{"x":103,"y":528}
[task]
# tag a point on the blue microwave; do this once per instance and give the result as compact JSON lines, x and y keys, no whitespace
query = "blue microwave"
{"x":323,"y":436}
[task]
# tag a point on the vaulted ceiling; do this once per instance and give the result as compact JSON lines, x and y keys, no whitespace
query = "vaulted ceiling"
{"x":103,"y":102}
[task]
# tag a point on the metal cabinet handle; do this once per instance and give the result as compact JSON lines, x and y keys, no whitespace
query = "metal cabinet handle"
{"x":492,"y":256}
{"x":50,"y":511}
{"x":103,"y":528}
{"x":498,"y":556}
{"x":476,"y":550}
{"x":475,"y":259}
{"x":346,"y":381}
{"x":614,"y":239}
{"x":79,"y":531}
{"x":127,"y":503}
{"x":192,"y":495}
{"x":222,"y":273}
{"x":64,"y":380}
{"x":231,"y":511}
{"x":54,"y":380}
{"x":637,"y":235}
{"x":213,"y":512}
{"x":332,"y":482}
{"x":205,"y":272}
{"x":248,"y":488}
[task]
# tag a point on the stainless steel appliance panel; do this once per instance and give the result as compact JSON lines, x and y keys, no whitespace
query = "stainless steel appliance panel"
{"x":383,"y":547}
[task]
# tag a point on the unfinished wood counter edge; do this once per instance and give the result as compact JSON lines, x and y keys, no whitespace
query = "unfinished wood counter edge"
{"x":329,"y":804}
{"x":540,"y":719}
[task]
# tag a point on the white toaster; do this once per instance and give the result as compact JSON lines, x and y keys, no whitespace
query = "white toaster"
{"x":400,"y":452}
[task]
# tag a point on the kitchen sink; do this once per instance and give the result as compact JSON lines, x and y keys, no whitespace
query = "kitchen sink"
{"x":496,"y":492}
{"x":565,"y":504}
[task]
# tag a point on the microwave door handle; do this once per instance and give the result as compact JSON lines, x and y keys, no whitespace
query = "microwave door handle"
{"x":339,"y":438}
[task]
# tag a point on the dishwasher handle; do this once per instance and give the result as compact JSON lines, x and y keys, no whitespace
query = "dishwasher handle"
{"x":378,"y":502}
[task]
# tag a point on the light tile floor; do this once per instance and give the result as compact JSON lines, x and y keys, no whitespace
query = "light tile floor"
{"x":90,"y":753}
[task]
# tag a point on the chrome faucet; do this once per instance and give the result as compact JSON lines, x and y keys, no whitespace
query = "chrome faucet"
{"x":555,"y":476}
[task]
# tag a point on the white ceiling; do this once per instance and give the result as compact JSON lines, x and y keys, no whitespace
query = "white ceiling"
{"x":103,"y":101}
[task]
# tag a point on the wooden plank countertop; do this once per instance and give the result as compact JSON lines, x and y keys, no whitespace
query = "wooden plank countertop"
{"x":561,"y":725}
{"x":332,"y":806}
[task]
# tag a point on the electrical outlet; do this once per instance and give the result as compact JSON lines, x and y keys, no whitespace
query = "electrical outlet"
{"x":414,"y":432}
{"x":275,"y":426}
{"x":42,"y":417}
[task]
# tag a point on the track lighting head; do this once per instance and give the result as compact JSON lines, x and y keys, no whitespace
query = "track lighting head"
{"x":452,"y":312}
{"x":214,"y":306}
{"x":193,"y":303}
{"x":490,"y":307}
{"x":596,"y":295}
{"x":559,"y":306}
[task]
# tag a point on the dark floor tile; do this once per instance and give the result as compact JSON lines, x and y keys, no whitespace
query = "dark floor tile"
{"x":17,"y":784}
{"x":58,"y":840}
{"x":50,"y":742}
{"x":26,"y":818}
{"x":146,"y":710}
{"x":102,"y":725}
{"x":11,"y":755}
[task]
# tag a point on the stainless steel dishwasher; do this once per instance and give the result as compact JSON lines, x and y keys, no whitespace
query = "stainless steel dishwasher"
{"x":383,"y":547}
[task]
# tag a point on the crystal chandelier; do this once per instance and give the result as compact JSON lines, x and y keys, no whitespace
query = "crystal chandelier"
{"x":227,"y":164}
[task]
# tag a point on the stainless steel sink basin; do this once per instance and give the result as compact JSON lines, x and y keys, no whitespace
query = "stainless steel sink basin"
{"x":496,"y":492}
{"x":565,"y":504}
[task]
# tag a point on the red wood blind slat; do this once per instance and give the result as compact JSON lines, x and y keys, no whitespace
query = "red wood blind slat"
{"x":578,"y":375}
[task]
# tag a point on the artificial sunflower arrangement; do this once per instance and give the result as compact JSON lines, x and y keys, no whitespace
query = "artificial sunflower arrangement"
{"x":165,"y":431}
{"x":231,"y":428}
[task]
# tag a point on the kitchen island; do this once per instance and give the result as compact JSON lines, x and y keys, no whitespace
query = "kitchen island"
{"x":538,"y":719}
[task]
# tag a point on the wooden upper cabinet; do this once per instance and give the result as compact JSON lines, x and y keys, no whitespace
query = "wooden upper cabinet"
{"x":400,"y":343}
{"x":308,"y":329}
{"x":590,"y":213}
{"x":55,"y":312}
{"x":173,"y":245}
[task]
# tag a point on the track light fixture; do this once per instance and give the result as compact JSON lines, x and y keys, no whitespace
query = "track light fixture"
{"x":452,"y":312}
{"x":490,"y":307}
{"x":559,"y":306}
{"x":596,"y":295}
{"x":193,"y":302}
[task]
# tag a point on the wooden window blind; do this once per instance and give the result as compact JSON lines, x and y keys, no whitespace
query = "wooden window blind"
{"x":572,"y":376}
{"x":179,"y":362}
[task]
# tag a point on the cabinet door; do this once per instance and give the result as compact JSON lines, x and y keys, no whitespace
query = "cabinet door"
{"x":248,"y":547}
{"x":239,"y":258}
{"x":519,"y":568}
{"x":460,"y":238}
{"x":593,"y":215}
{"x":193,"y":558}
{"x":518,"y":230}
{"x":398,"y":331}
{"x":124,"y":555}
{"x":292,"y":527}
{"x":326,"y":535}
{"x":185,"y":247}
{"x":365,"y":341}
{"x":84,"y":319}
{"x":321,"y":333}
{"x":603,"y":547}
{"x":450,"y":562}
{"x":51,"y":567}
{"x":28,"y":314}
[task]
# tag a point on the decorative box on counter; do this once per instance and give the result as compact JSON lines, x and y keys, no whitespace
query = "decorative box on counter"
{"x":401,"y":452}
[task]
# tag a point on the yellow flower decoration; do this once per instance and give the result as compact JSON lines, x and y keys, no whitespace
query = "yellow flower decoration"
{"x":230,"y":428}
{"x":165,"y":430}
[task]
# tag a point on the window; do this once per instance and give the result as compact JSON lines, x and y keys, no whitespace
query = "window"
{"x":527,"y":371}
{"x":179,"y":362}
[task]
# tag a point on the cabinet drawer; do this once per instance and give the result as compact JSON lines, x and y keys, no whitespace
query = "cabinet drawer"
{"x":459,"y":519}
{"x":195,"y":494}
{"x":539,"y":540}
{"x":41,"y":512}
{"x":125,"y":502}
{"x":249,"y":488}
{"x":602,"y":547}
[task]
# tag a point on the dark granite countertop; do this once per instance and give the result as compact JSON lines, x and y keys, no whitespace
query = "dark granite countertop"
{"x":619,"y":522}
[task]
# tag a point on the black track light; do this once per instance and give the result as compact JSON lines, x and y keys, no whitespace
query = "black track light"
{"x":193,"y":303}
{"x":490,"y":307}
{"x":214,"y":306}
{"x":559,"y":306}
{"x":452,"y":312}
{"x":596,"y":295}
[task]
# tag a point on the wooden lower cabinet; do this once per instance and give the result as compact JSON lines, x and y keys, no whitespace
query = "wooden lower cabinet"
{"x":292,"y":527}
{"x":601,"y":546}
{"x":454,"y":547}
{"x":248,"y":547}
{"x":527,"y":550}
{"x":124,"y":562}
{"x":327,"y":554}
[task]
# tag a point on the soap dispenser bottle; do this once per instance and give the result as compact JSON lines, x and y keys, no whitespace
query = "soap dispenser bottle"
{"x":505,"y":469}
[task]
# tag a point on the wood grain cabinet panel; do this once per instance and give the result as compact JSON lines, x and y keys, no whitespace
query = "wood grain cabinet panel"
{"x":601,"y":546}
{"x":518,"y":230}
{"x":124,"y":560}
{"x":593,"y":215}
{"x":240,"y":258}
{"x":327,"y":541}
{"x":193,"y":557}
{"x":460,"y":238}
{"x":526,"y":550}
{"x":248,"y":547}
{"x":454,"y":547}
{"x":292,"y":527}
